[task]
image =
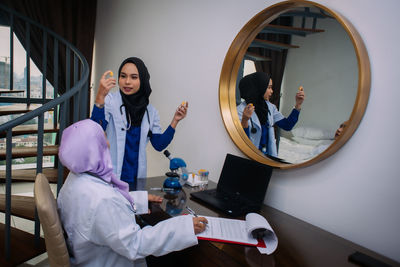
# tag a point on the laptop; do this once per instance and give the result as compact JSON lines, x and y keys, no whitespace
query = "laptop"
{"x":241,"y":187}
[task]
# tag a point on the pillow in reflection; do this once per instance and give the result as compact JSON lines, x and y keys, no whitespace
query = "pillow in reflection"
{"x":313,"y":133}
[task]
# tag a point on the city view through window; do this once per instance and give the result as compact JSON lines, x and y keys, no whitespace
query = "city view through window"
{"x":20,"y":83}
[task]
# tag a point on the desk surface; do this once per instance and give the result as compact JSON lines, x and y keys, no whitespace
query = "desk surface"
{"x":299,"y":243}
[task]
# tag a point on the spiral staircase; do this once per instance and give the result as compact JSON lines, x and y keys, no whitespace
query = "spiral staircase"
{"x":39,"y":118}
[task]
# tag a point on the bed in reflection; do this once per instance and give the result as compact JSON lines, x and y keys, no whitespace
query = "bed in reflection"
{"x":304,"y":143}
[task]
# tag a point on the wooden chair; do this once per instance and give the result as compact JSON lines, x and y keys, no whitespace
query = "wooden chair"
{"x":53,"y":233}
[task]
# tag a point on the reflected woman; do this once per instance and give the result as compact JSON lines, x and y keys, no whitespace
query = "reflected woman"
{"x":259,"y":116}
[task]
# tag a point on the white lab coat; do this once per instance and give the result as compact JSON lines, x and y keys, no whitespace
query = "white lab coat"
{"x":116,"y":132}
{"x":273,"y":117}
{"x":101,"y":227}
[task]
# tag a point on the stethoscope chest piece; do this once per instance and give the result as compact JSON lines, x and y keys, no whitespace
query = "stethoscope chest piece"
{"x":129,"y":122}
{"x":253,"y":129}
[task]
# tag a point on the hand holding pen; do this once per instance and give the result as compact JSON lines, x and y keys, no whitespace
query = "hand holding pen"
{"x":199,"y":223}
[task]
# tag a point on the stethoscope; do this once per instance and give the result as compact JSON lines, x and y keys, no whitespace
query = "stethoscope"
{"x":253,"y":129}
{"x":149,"y":134}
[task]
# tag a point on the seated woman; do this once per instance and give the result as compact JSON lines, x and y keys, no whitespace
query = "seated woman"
{"x":98,"y":212}
{"x":256,"y":90}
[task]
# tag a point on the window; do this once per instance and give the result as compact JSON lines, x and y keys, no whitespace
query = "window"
{"x":20,"y":83}
{"x":249,"y":67}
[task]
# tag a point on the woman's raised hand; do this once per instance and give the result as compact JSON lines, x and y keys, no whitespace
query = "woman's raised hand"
{"x":300,"y":96}
{"x":105,"y":86}
{"x":247,"y":112}
{"x":180,"y":113}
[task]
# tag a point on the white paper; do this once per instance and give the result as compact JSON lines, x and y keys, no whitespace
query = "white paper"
{"x":240,"y":231}
{"x":255,"y":221}
{"x":227,"y":229}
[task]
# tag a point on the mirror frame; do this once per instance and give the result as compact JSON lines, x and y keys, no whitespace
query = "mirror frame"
{"x":232,"y":62}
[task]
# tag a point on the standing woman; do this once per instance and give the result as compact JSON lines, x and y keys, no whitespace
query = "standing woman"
{"x":256,"y":90}
{"x":130,"y":121}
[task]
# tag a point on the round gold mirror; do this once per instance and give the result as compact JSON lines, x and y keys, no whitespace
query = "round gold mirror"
{"x":325,"y":54}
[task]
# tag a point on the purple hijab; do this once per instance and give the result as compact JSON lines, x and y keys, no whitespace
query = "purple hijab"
{"x":84,"y":148}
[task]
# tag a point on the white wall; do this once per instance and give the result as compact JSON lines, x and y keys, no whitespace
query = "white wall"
{"x":354,"y":194}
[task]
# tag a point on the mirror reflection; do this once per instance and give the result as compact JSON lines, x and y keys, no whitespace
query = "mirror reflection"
{"x":258,"y":115}
{"x":297,"y":85}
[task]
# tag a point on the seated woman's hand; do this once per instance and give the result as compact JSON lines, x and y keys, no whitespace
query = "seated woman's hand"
{"x":199,"y":224}
{"x":154,"y":198}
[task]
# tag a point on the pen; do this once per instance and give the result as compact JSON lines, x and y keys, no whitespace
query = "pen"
{"x":194,"y":213}
{"x":191,"y":211}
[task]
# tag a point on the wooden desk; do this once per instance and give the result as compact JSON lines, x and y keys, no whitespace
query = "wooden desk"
{"x":299,"y":243}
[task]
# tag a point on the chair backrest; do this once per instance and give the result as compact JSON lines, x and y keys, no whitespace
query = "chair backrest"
{"x":53,"y":233}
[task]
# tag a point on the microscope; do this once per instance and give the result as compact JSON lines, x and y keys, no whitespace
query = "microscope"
{"x":178,"y":174}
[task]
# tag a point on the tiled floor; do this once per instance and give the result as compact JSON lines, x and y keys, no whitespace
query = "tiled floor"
{"x":26,"y":189}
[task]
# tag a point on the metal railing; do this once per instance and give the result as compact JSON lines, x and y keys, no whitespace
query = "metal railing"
{"x":72,"y":104}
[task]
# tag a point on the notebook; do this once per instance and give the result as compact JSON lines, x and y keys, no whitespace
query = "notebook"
{"x":241,"y":187}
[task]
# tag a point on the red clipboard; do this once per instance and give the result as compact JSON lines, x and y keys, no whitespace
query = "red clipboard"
{"x":260,"y":243}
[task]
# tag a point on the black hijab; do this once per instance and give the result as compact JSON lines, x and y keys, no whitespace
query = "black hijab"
{"x":252,"y":89}
{"x":136,"y":104}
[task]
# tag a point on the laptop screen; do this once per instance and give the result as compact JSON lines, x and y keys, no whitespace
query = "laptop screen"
{"x":246,"y":177}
